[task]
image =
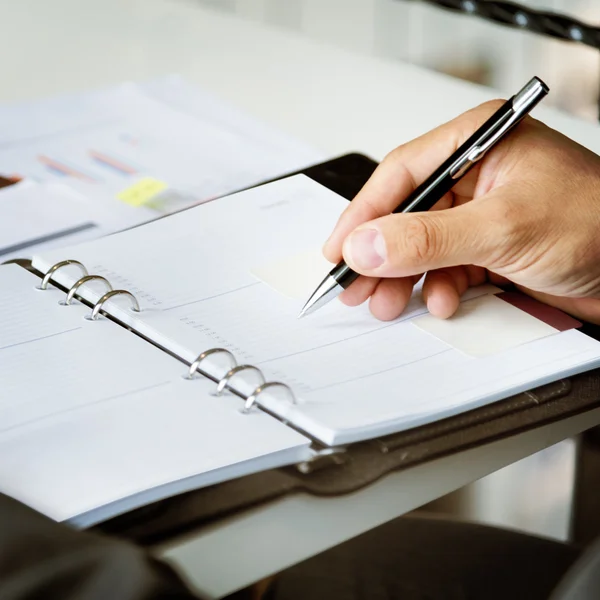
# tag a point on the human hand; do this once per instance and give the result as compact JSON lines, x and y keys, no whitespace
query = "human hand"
{"x":528,"y":213}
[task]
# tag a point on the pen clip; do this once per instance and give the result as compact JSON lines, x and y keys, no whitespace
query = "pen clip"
{"x":464,"y":163}
{"x":522,"y":103}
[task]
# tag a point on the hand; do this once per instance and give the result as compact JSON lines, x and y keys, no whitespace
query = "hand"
{"x":528,"y":213}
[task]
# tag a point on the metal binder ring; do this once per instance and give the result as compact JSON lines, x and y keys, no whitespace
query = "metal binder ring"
{"x":194,"y":366}
{"x":56,"y":267}
{"x":98,"y":306}
{"x":80,"y":282}
{"x":223,"y":382}
{"x":251,"y":400}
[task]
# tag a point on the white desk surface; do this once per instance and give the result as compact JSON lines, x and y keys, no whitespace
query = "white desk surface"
{"x":335,"y":100}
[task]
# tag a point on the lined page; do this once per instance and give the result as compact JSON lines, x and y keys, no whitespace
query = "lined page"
{"x":355,"y":376}
{"x":27,"y":313}
{"x":90,"y":362}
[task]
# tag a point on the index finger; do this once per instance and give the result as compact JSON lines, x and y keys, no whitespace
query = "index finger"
{"x":403,"y":170}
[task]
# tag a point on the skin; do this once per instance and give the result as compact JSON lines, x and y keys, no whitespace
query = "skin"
{"x":528,"y":214}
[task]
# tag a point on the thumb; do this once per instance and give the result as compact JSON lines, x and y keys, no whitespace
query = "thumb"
{"x":402,"y":245}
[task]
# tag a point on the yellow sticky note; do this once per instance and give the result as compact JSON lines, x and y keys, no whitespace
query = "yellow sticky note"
{"x":142,"y":191}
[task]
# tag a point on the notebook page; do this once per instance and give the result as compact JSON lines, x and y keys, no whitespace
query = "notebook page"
{"x":126,"y":452}
{"x":63,"y":369}
{"x":93,"y":418}
{"x":434,"y":383}
{"x":28,"y":314}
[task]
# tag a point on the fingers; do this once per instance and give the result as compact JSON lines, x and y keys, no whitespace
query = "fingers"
{"x":405,"y":168}
{"x":390,"y":298}
{"x":442,"y":291}
{"x":410,"y":244}
{"x":359,"y":291}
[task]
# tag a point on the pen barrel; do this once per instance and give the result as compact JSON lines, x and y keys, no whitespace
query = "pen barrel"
{"x":440,"y":182}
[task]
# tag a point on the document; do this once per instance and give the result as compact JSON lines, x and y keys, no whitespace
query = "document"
{"x":171,"y":140}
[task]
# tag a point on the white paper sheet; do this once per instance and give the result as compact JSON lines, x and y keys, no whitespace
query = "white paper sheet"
{"x":35,"y":217}
{"x":103,"y":142}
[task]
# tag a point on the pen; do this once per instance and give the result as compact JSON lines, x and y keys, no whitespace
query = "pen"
{"x":442,"y":179}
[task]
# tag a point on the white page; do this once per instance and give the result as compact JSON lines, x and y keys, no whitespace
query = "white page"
{"x":53,"y":360}
{"x":93,"y":418}
{"x":125,"y":452}
{"x":177,"y":93}
{"x":28,"y":314}
{"x":35,"y":217}
{"x":193,"y":276}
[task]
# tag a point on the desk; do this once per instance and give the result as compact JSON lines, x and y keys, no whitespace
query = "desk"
{"x":333,"y":99}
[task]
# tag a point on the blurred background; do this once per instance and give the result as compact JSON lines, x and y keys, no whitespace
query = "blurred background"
{"x":535,"y":494}
{"x":458,"y":44}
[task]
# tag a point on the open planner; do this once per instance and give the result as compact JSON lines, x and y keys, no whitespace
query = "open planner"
{"x":169,"y":357}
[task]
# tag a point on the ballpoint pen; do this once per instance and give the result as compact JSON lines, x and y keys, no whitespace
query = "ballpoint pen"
{"x":442,"y":179}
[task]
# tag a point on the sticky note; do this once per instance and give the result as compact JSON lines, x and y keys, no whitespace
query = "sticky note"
{"x":142,"y":191}
{"x":295,"y":276}
{"x":484,"y":326}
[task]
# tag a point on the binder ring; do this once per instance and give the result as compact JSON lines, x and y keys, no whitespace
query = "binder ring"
{"x":251,"y":400}
{"x":194,"y":366}
{"x":80,"y":282}
{"x":225,"y":380}
{"x":98,"y":306}
{"x":56,"y":267}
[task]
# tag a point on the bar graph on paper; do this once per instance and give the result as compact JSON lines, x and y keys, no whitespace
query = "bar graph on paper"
{"x":89,"y":165}
{"x":97,"y":155}
{"x":59,"y":167}
{"x":113,"y":163}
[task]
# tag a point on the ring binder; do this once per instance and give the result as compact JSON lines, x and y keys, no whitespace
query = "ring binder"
{"x":73,"y":290}
{"x":194,"y":366}
{"x":225,"y":380}
{"x":222,"y":383}
{"x":59,"y":265}
{"x":98,"y":306}
{"x":252,"y":398}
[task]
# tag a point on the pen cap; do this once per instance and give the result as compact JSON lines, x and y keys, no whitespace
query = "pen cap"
{"x":532,"y":93}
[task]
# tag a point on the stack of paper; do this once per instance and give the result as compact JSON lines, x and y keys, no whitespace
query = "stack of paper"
{"x":134,"y":153}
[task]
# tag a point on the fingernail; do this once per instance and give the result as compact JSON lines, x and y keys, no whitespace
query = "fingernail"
{"x":366,"y":248}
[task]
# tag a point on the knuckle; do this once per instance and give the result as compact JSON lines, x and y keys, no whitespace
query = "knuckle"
{"x":474,"y":117}
{"x":420,"y":240}
{"x":394,"y":156}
